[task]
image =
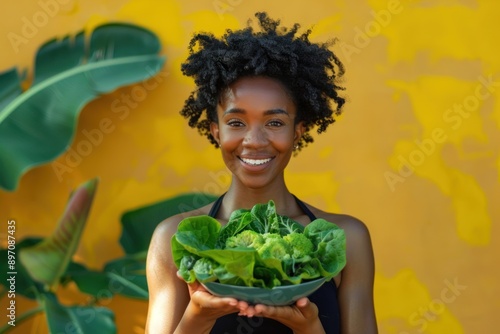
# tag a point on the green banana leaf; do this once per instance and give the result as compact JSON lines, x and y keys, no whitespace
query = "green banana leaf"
{"x":125,"y":276}
{"x":47,"y":261}
{"x":138,"y":225}
{"x":91,"y":282}
{"x":38,"y":125}
{"x":77,"y":319}
{"x":10,"y":87}
{"x":128,"y":276}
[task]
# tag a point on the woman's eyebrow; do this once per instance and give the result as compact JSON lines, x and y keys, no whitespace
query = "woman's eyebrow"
{"x":266,"y":113}
{"x":276,"y":111}
{"x":234,"y":111}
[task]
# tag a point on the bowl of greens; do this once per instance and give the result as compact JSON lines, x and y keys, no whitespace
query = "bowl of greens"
{"x":258,"y":256}
{"x":277,"y":296}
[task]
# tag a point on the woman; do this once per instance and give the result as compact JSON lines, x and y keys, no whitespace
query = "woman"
{"x":258,"y":96}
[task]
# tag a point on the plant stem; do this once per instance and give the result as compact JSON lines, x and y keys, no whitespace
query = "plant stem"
{"x":21,"y":318}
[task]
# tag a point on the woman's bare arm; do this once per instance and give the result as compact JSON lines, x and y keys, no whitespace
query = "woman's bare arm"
{"x":174,"y":306}
{"x":356,"y":288}
{"x":168,"y":295}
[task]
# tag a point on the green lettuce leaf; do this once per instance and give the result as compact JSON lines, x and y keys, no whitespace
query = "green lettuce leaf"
{"x":330,"y":244}
{"x":198,"y":233}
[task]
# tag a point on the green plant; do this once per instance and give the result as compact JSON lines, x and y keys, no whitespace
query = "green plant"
{"x":257,"y":248}
{"x":45,"y":264}
{"x":38,"y":124}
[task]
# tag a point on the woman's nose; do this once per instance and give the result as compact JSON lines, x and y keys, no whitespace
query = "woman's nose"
{"x":255,"y":136}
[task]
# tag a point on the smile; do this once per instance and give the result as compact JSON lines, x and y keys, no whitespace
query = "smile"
{"x":255,"y":162}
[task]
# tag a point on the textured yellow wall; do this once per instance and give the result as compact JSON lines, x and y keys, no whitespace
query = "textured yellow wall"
{"x":415,"y":156}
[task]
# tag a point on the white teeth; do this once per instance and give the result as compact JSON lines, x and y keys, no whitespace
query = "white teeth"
{"x":255,"y":162}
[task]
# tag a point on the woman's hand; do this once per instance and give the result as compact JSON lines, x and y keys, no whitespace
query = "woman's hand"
{"x":301,"y":317}
{"x":211,"y":307}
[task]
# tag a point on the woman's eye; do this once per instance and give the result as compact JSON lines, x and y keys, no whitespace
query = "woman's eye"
{"x":275,"y":123}
{"x":235,"y":123}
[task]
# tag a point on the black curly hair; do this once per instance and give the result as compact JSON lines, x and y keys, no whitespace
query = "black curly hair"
{"x":311,"y":72}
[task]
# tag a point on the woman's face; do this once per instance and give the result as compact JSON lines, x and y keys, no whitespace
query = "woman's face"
{"x":256,"y":130}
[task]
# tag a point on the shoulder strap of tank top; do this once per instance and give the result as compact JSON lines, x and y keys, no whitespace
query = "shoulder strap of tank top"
{"x":304,"y":208}
{"x":215,"y":208}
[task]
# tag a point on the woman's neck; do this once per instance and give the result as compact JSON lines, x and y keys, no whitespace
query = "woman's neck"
{"x":245,"y":198}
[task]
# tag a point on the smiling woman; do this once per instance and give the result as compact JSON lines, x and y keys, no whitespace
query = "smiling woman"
{"x":258,"y":95}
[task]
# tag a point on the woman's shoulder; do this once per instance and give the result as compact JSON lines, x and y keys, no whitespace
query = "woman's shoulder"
{"x":350,"y":224}
{"x":359,"y":250}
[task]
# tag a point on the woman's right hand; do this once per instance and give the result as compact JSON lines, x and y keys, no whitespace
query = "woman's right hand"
{"x":211,"y":307}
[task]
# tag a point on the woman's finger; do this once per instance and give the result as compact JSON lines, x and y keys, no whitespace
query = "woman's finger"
{"x":309,"y":310}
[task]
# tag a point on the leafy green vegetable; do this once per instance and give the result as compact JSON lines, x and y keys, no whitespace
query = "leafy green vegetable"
{"x":329,"y":242}
{"x":238,"y":221}
{"x":247,"y":238}
{"x":198,"y":233}
{"x":301,"y":246}
{"x":204,"y":270}
{"x":258,"y":248}
{"x":274,"y":248}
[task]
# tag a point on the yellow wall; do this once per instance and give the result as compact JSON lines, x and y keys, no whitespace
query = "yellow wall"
{"x":415,"y":156}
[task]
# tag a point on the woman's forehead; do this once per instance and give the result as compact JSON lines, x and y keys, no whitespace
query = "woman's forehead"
{"x":264,"y":88}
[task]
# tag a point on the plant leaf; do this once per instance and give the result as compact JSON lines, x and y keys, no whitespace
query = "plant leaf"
{"x":330,"y":243}
{"x":47,"y":261}
{"x":24,"y":284}
{"x":38,"y":125}
{"x":265,"y":218}
{"x":127,"y":276}
{"x":198,"y":233}
{"x":10,"y":87}
{"x":138,"y":225}
{"x":95,"y":283}
{"x":77,"y":319}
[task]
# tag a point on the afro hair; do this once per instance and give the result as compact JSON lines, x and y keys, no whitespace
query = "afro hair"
{"x":311,"y":72}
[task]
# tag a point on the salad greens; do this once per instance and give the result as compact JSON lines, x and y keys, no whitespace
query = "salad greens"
{"x":257,"y":248}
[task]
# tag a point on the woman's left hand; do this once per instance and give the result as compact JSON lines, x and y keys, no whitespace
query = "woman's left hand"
{"x":301,"y":317}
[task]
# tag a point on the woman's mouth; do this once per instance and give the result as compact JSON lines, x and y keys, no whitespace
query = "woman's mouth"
{"x":255,"y":162}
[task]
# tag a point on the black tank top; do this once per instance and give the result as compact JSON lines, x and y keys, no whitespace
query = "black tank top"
{"x":325,"y":299}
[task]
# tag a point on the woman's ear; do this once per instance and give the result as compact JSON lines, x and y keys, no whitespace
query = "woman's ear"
{"x":299,"y":131}
{"x":214,"y":131}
